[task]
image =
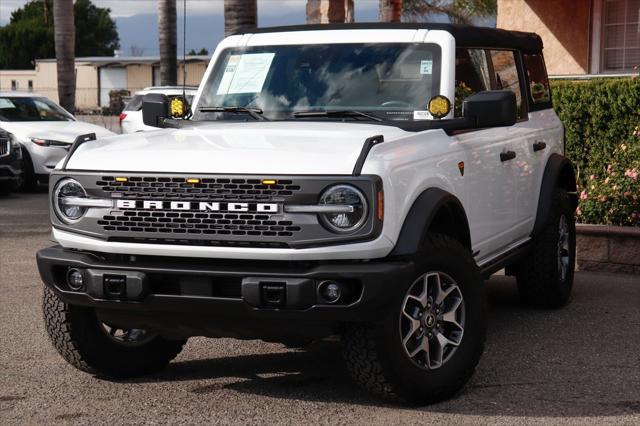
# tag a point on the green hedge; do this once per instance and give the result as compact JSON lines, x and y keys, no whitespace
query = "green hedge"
{"x":602,"y":123}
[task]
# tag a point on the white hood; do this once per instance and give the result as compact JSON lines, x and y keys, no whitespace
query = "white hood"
{"x":272,"y":148}
{"x":63,"y":131}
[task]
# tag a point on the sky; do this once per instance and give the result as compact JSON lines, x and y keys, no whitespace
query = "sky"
{"x":137,"y":20}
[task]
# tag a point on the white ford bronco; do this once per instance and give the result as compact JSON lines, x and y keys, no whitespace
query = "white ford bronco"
{"x":359,"y":180}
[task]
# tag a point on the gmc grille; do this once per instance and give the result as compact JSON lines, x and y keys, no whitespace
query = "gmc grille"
{"x":5,"y":146}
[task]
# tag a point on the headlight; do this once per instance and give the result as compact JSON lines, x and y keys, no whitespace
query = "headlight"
{"x":344,"y":195}
{"x":49,"y":142}
{"x":66,"y":190}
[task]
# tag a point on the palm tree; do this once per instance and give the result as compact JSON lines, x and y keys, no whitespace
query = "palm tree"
{"x":460,"y":11}
{"x":167,"y":34}
{"x":65,"y":43}
{"x":329,"y":11}
{"x":240,"y":16}
{"x":390,"y":11}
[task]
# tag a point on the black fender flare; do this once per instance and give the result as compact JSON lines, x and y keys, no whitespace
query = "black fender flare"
{"x":558,"y":172}
{"x":421,"y":216}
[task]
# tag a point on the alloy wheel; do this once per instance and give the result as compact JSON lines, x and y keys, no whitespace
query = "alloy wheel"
{"x":432,"y":320}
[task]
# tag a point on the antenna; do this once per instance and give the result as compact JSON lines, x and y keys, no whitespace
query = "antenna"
{"x":184,"y":51}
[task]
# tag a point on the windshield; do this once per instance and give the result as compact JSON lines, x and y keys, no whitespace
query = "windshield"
{"x":20,"y":108}
{"x":390,"y":81}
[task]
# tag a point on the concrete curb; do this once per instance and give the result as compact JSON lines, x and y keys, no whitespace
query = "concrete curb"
{"x":608,"y":248}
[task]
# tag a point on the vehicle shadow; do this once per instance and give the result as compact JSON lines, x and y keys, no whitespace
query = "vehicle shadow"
{"x":536,"y":363}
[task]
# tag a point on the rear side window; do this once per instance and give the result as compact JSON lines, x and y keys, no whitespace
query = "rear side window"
{"x":135,"y":104}
{"x":472,"y":75}
{"x":539,"y":91}
{"x":505,"y":75}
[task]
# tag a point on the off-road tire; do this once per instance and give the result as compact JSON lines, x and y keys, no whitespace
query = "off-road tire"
{"x":374,"y":353}
{"x":537,"y":274}
{"x":75,"y":333}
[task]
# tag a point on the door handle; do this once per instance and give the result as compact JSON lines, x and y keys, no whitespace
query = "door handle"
{"x":539,"y":146}
{"x":507,"y":155}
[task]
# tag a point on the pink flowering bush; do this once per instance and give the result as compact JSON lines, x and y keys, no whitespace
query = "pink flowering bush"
{"x":601,"y":118}
{"x":611,"y":196}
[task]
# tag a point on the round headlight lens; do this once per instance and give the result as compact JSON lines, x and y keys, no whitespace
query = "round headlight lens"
{"x":344,"y":195}
{"x":68,"y":188}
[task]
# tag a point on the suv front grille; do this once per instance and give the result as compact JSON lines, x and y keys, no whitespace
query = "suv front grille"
{"x":208,"y":188}
{"x":196,"y":222}
{"x":5,"y":146}
{"x":213,"y":210}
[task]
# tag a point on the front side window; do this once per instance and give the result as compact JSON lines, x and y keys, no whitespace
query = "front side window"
{"x":505,"y":75}
{"x":31,"y":109}
{"x":472,"y":75}
{"x":390,"y":81}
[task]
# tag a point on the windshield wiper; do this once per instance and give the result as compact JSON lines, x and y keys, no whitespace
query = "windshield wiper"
{"x":256,"y":113}
{"x":332,"y":113}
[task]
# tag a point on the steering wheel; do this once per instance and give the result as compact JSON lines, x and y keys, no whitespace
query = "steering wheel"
{"x":399,"y":104}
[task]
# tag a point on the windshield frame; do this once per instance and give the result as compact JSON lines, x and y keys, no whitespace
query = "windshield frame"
{"x":392,"y":115}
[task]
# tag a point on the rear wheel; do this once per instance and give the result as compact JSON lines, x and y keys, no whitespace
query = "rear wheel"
{"x":99,"y":348}
{"x":428,"y":347}
{"x":545,"y":275}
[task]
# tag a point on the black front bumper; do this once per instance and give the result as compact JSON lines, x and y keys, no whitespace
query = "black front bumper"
{"x":250,"y":299}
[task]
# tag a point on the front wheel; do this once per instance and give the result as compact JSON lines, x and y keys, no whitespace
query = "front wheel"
{"x":95,"y":347}
{"x":428,"y":347}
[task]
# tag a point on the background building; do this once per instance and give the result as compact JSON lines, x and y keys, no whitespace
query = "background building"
{"x":580,"y":36}
{"x":97,"y":76}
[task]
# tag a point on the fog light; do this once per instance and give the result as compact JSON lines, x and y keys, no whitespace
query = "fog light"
{"x":75,"y":279}
{"x":330,"y":291}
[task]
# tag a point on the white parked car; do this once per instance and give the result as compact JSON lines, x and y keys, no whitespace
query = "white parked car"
{"x":131,"y":116}
{"x":358,"y":180}
{"x":45,"y":130}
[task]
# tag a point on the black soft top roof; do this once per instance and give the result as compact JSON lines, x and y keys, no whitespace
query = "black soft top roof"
{"x":465,"y":35}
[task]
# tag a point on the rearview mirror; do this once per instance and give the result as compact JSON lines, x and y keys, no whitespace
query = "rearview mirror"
{"x":155,"y":109}
{"x":493,"y":108}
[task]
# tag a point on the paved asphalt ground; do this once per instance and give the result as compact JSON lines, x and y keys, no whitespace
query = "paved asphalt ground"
{"x":577,"y":365}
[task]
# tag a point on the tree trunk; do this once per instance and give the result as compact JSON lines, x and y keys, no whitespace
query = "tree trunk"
{"x":240,"y":16}
{"x":65,"y":42}
{"x":168,"y":42}
{"x":329,"y":11}
{"x":390,"y":11}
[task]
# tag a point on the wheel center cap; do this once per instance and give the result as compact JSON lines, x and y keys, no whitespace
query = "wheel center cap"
{"x":429,"y":320}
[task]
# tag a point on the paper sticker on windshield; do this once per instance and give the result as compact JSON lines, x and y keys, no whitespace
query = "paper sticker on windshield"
{"x":6,"y":103}
{"x":246,"y":73}
{"x":426,"y":66}
{"x":422,"y":115}
{"x":229,"y":71}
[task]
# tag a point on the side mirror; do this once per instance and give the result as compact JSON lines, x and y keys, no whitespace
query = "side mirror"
{"x":493,"y":108}
{"x":155,"y":109}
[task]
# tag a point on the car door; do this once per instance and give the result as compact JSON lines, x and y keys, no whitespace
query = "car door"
{"x":508,"y":74}
{"x":545,"y":136}
{"x":489,"y":189}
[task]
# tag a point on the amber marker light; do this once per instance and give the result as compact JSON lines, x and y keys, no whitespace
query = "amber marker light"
{"x":193,"y":180}
{"x":380,"y":206}
{"x":269,"y":181}
{"x":121,"y":179}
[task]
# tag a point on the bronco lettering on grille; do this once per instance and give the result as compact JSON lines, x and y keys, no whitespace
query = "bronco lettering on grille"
{"x":200,"y":206}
